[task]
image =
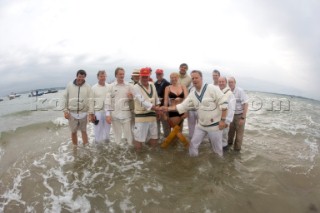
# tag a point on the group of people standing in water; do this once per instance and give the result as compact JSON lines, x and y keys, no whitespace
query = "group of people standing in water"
{"x":140,"y":110}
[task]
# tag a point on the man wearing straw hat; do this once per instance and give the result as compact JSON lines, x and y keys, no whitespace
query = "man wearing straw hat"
{"x":135,"y":76}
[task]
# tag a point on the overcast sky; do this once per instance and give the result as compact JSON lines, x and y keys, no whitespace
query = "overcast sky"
{"x":270,"y":45}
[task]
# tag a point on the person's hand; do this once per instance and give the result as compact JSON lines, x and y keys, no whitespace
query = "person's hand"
{"x":130,"y":95}
{"x":185,"y":115}
{"x":241,"y":122}
{"x":66,"y":115}
{"x":156,"y":108}
{"x":92,"y":118}
{"x":164,"y":108}
{"x":222,"y":125}
{"x":108,"y":119}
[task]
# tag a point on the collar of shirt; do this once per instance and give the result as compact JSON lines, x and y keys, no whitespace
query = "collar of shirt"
{"x":116,"y":83}
{"x":203,"y":84}
{"x":183,"y":76}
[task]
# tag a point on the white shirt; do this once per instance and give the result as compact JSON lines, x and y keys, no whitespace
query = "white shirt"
{"x":231,"y":104}
{"x":241,"y":98}
{"x":185,"y":80}
{"x":117,"y":101}
{"x":99,"y":96}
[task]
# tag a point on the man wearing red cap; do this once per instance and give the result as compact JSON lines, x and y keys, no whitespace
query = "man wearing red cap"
{"x":161,"y":84}
{"x":146,"y":102}
{"x":150,"y":71}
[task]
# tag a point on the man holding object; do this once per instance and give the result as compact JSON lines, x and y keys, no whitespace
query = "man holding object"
{"x":211,"y":105}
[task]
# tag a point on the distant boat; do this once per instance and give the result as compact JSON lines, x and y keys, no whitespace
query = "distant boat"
{"x":35,"y":93}
{"x":13,"y":96}
{"x":52,"y":91}
{"x":49,"y":91}
{"x":1,"y":99}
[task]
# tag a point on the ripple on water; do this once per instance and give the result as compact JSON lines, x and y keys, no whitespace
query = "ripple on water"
{"x":275,"y":168}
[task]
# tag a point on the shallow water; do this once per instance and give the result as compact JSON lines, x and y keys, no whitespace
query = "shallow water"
{"x":276,"y":171}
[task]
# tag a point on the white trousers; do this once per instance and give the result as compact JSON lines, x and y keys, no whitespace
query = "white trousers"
{"x":215,"y":138}
{"x":192,"y":121}
{"x":122,"y":126}
{"x":102,"y":129}
{"x":225,"y":136}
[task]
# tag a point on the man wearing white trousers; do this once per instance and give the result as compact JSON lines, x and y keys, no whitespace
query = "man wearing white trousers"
{"x":101,"y":127}
{"x":211,"y":105}
{"x":222,"y":82}
{"x":118,"y":109}
{"x":192,"y":117}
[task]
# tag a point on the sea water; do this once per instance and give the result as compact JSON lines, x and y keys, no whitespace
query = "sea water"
{"x":277,"y":170}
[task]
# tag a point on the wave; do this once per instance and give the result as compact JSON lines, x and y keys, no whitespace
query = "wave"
{"x":33,"y":128}
{"x":20,"y":113}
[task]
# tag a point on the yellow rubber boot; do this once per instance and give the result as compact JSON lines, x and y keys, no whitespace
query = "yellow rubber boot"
{"x":183,"y":140}
{"x":170,"y":137}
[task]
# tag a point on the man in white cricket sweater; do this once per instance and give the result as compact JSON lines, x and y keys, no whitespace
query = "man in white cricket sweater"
{"x":211,"y":105}
{"x":146,"y":102}
{"x":77,"y":103}
{"x":99,"y":90}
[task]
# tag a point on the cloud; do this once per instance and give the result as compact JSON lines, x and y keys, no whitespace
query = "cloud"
{"x":271,"y":41}
{"x":296,"y":23}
